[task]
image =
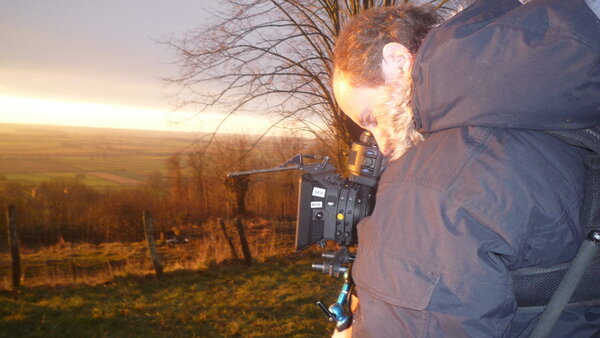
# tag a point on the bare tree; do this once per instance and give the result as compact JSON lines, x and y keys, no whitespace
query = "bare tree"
{"x":273,"y":57}
{"x":177,"y":183}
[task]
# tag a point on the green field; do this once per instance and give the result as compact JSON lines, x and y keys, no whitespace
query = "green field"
{"x":275,"y":298}
{"x":33,"y":153}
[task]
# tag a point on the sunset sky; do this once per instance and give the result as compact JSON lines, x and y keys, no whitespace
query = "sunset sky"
{"x":97,"y":63}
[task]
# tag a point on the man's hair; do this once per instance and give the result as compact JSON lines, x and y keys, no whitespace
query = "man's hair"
{"x":358,"y":49}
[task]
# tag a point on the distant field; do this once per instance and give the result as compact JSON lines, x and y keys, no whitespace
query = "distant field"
{"x":44,"y":177}
{"x":99,"y":157}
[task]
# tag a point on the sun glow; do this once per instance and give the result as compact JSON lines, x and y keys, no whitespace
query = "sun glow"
{"x":87,"y":114}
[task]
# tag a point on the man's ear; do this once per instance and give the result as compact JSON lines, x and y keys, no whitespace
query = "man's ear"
{"x":397,"y":60}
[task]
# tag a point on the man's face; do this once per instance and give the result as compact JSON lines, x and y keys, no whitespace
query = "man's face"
{"x":359,"y":104}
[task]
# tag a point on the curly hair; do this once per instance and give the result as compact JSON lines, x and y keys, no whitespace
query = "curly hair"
{"x":358,"y":49}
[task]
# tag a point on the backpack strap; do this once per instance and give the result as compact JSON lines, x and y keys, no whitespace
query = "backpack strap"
{"x":534,"y":286}
{"x":584,"y":138}
{"x":579,"y":269}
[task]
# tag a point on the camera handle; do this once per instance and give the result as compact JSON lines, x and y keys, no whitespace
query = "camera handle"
{"x":336,"y":311}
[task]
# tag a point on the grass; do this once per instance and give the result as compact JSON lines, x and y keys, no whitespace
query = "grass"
{"x":274,"y":298}
{"x":70,"y":290}
{"x":76,"y":263}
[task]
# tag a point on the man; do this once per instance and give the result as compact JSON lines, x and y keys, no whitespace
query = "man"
{"x":475,"y":188}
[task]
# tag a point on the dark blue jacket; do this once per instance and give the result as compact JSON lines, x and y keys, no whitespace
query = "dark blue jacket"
{"x":487,"y":192}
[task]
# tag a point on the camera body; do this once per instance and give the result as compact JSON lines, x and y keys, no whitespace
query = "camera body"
{"x":330,"y":206}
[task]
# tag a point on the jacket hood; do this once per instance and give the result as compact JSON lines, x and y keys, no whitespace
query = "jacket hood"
{"x":507,"y":65}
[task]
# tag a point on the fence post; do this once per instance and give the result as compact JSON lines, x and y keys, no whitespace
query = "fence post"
{"x":13,"y":243}
{"x":245,"y":248}
{"x":148,"y":229}
{"x":239,"y":185}
{"x":228,"y":239}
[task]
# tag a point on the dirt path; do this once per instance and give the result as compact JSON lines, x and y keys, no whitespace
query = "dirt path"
{"x":115,"y":178}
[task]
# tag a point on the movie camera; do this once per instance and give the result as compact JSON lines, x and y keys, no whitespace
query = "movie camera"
{"x":330,"y":206}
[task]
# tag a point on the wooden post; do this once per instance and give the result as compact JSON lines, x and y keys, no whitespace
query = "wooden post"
{"x":239,"y":185}
{"x":245,"y":248}
{"x":13,"y":243}
{"x":109,"y":267}
{"x":74,"y":270}
{"x":228,"y":239}
{"x":148,"y":228}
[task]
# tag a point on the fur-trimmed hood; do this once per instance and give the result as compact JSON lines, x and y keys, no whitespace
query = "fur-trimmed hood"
{"x":502,"y":64}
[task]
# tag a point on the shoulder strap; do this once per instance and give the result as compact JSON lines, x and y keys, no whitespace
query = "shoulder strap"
{"x":583,"y":138}
{"x":590,"y":218}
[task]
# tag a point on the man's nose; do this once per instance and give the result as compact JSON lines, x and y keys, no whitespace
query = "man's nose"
{"x":381,"y":142}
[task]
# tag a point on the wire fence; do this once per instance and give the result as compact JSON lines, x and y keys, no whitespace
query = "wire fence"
{"x":188,"y":248}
